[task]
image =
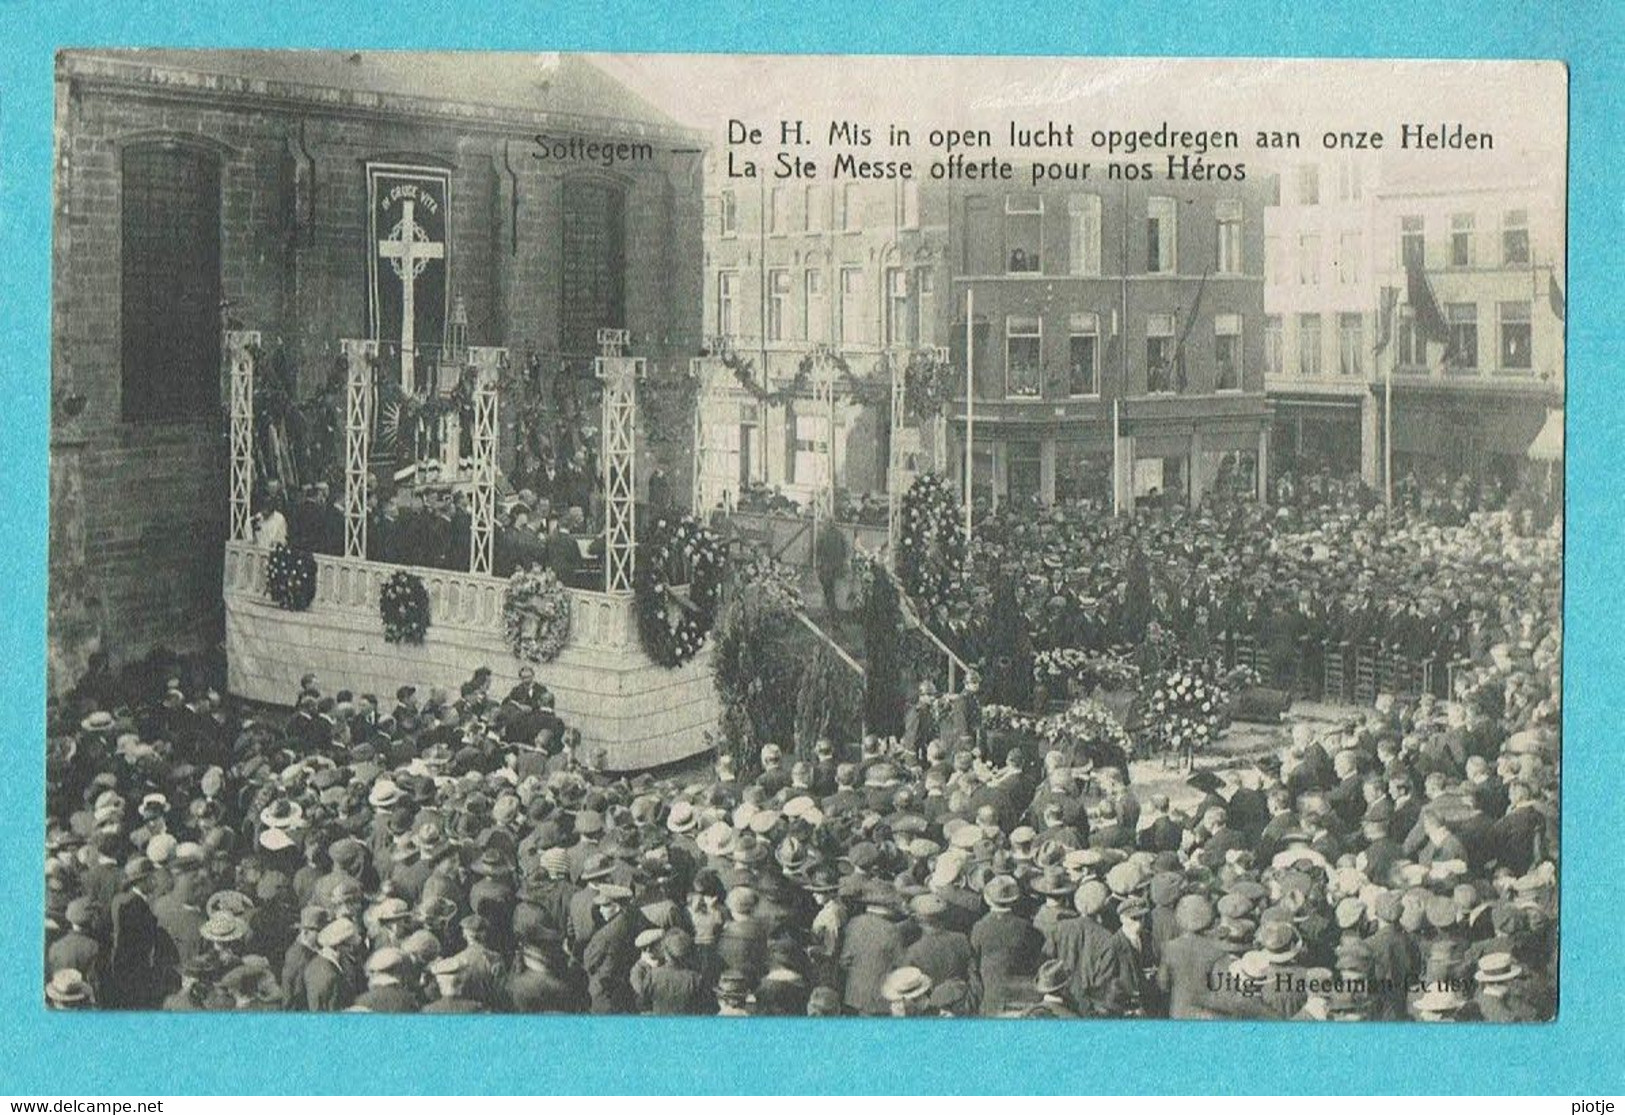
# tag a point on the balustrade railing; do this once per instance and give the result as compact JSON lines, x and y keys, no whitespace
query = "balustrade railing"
{"x":466,"y":601}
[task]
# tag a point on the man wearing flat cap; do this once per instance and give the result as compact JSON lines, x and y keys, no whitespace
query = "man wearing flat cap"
{"x":1006,"y":947}
{"x":608,"y":954}
{"x":450,"y":976}
{"x":939,"y":952}
{"x":330,"y":976}
{"x":1188,"y":959}
{"x":388,"y":972}
{"x":872,"y":946}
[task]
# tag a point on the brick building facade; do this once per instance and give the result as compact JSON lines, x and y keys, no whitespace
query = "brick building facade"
{"x":1139,"y":304}
{"x":197,"y":190}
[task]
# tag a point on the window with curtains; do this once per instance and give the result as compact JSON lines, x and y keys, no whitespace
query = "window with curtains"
{"x":778,"y":303}
{"x":1309,"y":342}
{"x":1515,"y":236}
{"x":1227,"y":260}
{"x":1159,"y":353}
{"x":1023,"y":348}
{"x":1516,"y":339}
{"x":1083,"y":355}
{"x":814,"y":309}
{"x":169,"y":290}
{"x":1161,"y":235}
{"x":1350,"y":345}
{"x":727,"y":292}
{"x":1461,"y":353}
{"x":1024,"y":233}
{"x":1083,"y":234}
{"x":1227,"y":352}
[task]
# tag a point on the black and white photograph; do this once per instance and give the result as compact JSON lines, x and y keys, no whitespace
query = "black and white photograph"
{"x":805,"y":535}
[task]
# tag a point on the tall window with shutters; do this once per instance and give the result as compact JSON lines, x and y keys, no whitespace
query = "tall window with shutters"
{"x":169,"y":292}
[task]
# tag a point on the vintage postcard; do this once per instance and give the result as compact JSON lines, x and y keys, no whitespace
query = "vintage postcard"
{"x":805,"y":535}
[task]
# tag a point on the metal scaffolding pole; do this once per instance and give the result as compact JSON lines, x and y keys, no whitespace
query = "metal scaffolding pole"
{"x":359,"y":357}
{"x":240,"y":348}
{"x":619,"y":376}
{"x":487,"y":363}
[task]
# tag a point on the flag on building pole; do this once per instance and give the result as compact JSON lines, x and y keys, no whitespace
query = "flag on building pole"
{"x":1184,"y":334}
{"x":1385,"y":318}
{"x":1429,"y":317}
{"x":1554,"y":295}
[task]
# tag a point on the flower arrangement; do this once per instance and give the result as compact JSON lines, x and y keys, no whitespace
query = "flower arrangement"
{"x":404,"y":605}
{"x":290,"y":577}
{"x":1088,"y":670}
{"x":536,"y":615}
{"x":770,"y":580}
{"x":1186,"y":708}
{"x":1084,"y":727}
{"x":679,"y":578}
{"x":1005,"y":718}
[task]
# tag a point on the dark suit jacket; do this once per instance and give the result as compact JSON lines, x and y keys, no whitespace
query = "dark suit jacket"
{"x":1007,"y":950}
{"x":1187,"y":961}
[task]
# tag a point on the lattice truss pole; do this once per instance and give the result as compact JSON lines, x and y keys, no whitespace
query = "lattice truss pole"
{"x":487,"y":363}
{"x":823,"y":386}
{"x":240,"y":346}
{"x":359,"y":357}
{"x":619,"y":376}
{"x":707,"y":453}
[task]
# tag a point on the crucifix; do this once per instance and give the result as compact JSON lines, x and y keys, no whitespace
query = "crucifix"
{"x":409,"y":250}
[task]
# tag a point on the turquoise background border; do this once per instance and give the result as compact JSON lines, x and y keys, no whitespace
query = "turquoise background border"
{"x":1581,"y":1052}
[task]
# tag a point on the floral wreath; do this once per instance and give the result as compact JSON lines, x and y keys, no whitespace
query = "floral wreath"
{"x":290,"y":577}
{"x":671,"y":625}
{"x":536,"y":615}
{"x":404,"y":605}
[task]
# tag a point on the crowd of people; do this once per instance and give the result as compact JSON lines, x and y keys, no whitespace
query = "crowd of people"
{"x":432,"y":526}
{"x":1447,"y":573}
{"x":461,"y":853}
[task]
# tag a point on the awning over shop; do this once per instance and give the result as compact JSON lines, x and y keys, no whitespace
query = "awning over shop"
{"x":1548,"y":443}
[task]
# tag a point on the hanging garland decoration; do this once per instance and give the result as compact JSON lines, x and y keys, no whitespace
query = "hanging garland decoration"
{"x":290,"y":577}
{"x":744,"y":372}
{"x":928,"y":385}
{"x":536,"y":615}
{"x":403,"y":603}
{"x":674,"y":619}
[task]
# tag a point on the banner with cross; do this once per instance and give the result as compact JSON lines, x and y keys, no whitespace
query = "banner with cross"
{"x":408,"y":216}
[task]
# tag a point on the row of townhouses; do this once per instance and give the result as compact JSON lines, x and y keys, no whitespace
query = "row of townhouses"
{"x":1133,"y":341}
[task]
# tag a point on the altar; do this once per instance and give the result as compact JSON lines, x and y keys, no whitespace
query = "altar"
{"x":639,"y":713}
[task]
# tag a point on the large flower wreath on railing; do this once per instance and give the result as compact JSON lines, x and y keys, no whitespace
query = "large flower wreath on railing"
{"x":290,"y":577}
{"x":679,"y":578}
{"x":403,"y":603}
{"x":536,"y":615}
